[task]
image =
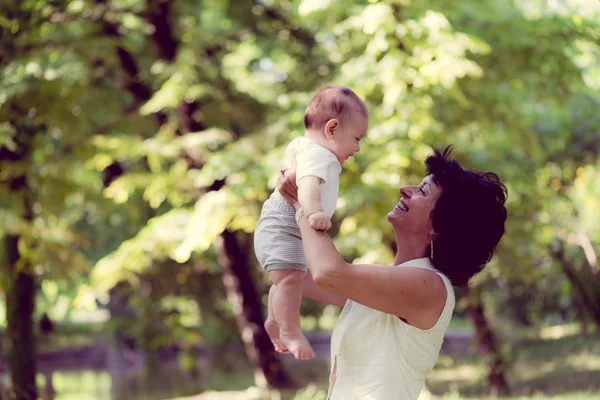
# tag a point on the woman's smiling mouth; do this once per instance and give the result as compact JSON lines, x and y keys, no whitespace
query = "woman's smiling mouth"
{"x":402,"y":207}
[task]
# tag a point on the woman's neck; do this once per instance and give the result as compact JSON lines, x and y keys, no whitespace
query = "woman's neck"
{"x":409,"y":249}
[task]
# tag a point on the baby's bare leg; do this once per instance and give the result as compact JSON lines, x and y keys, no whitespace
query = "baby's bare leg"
{"x":271,"y":324}
{"x":287,"y":298}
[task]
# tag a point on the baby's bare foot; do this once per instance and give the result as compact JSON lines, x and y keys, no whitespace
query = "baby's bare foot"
{"x":273,"y":331}
{"x":297,"y":345}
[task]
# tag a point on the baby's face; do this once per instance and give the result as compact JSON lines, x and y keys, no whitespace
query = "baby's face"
{"x":347,"y":138}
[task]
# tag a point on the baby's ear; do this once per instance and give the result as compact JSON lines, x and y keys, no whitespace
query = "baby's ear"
{"x":330,"y":127}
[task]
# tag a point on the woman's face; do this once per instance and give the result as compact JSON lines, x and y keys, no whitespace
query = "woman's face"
{"x":413,"y":212}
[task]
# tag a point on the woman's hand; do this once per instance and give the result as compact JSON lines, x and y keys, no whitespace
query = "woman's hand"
{"x":287,"y":184}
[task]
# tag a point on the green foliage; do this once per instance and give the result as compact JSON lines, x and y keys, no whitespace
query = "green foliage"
{"x":199,"y":126}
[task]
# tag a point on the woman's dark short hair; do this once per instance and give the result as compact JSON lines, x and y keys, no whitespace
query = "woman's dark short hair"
{"x":468,"y":217}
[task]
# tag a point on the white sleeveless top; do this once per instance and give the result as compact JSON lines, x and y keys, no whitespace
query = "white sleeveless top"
{"x":377,"y":356}
{"x":312,"y":159}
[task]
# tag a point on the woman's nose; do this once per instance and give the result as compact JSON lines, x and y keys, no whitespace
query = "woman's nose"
{"x":406,"y":192}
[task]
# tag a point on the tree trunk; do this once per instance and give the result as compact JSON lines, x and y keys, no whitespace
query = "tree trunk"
{"x":247,"y":308}
{"x":236,"y":270}
{"x":238,"y":281}
{"x":4,"y":392}
{"x":487,"y":343}
{"x":20,"y":297}
{"x":579,"y":288}
{"x":592,"y":307}
{"x":581,"y":313}
{"x":590,"y":254}
{"x":19,"y":281}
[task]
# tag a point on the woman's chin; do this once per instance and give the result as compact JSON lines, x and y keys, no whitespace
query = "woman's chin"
{"x":396,"y":214}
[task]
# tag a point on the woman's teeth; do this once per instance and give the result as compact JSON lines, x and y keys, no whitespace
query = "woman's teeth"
{"x":402,"y":207}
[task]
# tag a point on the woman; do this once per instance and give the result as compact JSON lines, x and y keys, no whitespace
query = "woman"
{"x":391,"y":328}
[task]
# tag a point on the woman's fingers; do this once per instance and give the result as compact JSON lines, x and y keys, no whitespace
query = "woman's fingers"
{"x":287,"y":181}
{"x":287,"y":185}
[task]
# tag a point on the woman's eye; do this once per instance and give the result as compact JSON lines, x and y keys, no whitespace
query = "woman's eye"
{"x":422,"y":191}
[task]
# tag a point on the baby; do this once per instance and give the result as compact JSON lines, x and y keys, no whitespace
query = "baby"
{"x":336,"y":120}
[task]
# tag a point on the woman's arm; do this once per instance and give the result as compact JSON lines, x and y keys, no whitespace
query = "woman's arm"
{"x":312,"y":291}
{"x":414,"y":294}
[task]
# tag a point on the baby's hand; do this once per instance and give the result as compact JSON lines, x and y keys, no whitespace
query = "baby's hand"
{"x":319,"y":221}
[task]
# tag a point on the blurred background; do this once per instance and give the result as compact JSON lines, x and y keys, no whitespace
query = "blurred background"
{"x":138,"y":140}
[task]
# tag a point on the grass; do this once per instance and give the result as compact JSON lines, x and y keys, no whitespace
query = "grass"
{"x":559,"y":367}
{"x":553,"y":363}
{"x":568,"y":396}
{"x":550,"y":367}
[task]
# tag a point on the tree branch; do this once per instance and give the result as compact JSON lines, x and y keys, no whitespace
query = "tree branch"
{"x":158,"y":15}
{"x":582,"y":240}
{"x":296,"y":32}
{"x":134,"y":85}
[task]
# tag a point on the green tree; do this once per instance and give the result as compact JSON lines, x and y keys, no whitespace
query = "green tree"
{"x":152,"y":130}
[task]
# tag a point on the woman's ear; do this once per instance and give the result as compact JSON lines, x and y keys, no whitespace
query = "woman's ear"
{"x":330,"y":127}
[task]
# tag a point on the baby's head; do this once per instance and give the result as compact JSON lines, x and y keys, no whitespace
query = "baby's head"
{"x":337,"y":119}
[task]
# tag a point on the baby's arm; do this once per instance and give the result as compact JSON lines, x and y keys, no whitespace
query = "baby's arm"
{"x":309,"y":197}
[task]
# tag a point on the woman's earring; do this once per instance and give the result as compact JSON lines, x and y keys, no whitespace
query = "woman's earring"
{"x":431,"y":243}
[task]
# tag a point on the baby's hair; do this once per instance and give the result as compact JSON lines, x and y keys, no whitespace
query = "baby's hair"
{"x":331,"y":102}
